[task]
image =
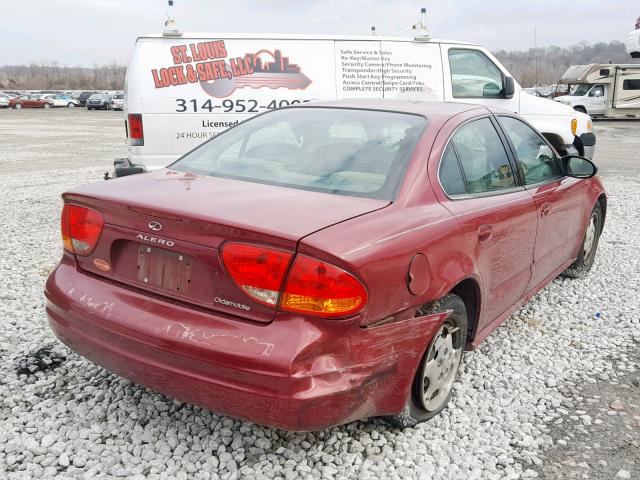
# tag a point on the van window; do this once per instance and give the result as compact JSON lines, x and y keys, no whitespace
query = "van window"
{"x":631,"y":85}
{"x":347,"y":152}
{"x":597,"y":91}
{"x":536,"y":160}
{"x":473,"y":74}
{"x":450,"y":174}
{"x":483,"y":158}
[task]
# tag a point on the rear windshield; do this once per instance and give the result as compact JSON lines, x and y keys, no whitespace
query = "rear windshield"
{"x":334,"y":150}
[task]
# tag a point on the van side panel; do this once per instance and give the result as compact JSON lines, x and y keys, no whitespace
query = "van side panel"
{"x":189,"y":90}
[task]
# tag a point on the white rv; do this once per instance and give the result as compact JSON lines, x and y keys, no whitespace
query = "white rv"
{"x":607,"y":90}
{"x":183,"y":89}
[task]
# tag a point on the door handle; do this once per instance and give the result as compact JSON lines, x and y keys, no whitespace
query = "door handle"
{"x":545,"y":209}
{"x":484,"y":233}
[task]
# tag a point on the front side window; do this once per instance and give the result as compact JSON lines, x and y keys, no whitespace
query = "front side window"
{"x":537,"y":161}
{"x":597,"y":91}
{"x":482,"y":156}
{"x":474,"y":75}
{"x":341,"y":151}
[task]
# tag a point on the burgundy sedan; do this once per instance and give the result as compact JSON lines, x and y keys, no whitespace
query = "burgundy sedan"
{"x":30,"y":101}
{"x":322,"y":263}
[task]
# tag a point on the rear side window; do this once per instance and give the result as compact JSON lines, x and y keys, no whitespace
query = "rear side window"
{"x":450,"y":174}
{"x":482,"y":156}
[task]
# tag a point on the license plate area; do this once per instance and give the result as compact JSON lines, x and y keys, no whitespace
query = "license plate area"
{"x":163,"y":269}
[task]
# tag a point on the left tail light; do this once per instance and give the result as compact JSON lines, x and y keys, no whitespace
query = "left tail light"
{"x":136,"y":132}
{"x":81,"y":228}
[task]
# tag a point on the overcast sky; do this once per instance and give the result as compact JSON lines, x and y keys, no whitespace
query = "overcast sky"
{"x":84,"y":32}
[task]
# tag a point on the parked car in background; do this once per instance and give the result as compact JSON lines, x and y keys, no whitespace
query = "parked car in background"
{"x":632,"y":42}
{"x":99,"y":101}
{"x":324,"y":263}
{"x":30,"y":101}
{"x":117,"y":102}
{"x":61,"y":100}
{"x":4,"y":100}
{"x":82,"y":98}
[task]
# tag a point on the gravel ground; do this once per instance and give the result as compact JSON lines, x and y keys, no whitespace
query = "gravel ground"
{"x":553,"y":393}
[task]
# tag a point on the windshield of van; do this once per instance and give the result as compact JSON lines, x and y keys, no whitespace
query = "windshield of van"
{"x":580,"y":89}
{"x":334,"y":150}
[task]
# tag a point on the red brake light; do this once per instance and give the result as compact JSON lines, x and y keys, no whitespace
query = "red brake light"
{"x":136,"y":133}
{"x":81,"y":228}
{"x":257,"y":271}
{"x":316,"y":287}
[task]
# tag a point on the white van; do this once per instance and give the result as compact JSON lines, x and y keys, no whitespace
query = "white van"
{"x":632,"y":42}
{"x":182,"y":89}
{"x":608,"y":90}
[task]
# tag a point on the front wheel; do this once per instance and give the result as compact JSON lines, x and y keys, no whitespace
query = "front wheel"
{"x":580,"y":109}
{"x":436,"y":374}
{"x":580,"y":268}
{"x":17,"y":106}
{"x":47,"y":105}
{"x":71,"y":105}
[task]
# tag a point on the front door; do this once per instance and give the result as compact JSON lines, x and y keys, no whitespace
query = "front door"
{"x":558,"y":199}
{"x":498,"y":217}
{"x":597,"y":100}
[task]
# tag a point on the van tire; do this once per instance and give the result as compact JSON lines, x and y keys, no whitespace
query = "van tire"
{"x":417,"y":409}
{"x":580,"y":109}
{"x":580,"y":268}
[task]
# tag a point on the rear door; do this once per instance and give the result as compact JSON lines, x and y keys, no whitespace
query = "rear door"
{"x":558,"y":199}
{"x":497,"y":215}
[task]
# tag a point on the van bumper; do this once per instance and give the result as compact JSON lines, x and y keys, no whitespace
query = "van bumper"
{"x":296,"y":373}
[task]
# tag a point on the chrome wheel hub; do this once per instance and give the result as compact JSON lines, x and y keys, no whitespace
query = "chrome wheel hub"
{"x":440,"y":367}
{"x":589,"y":237}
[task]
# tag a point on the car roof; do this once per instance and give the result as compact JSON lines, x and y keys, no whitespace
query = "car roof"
{"x":433,"y":110}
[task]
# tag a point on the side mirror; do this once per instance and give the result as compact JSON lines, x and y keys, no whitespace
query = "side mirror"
{"x":578,"y":167}
{"x":509,"y":87}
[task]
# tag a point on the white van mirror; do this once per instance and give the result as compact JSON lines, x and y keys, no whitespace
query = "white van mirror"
{"x":509,"y":87}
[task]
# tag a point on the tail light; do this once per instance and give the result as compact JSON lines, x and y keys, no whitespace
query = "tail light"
{"x":81,"y":228}
{"x":136,"y":133}
{"x":320,"y":288}
{"x":258,"y":271}
{"x":312,"y":286}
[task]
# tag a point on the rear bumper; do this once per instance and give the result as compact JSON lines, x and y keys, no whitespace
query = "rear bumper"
{"x":295,"y":373}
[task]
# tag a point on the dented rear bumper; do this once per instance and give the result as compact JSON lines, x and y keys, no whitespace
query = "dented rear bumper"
{"x":296,"y":373}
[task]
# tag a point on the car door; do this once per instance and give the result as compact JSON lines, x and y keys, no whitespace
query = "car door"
{"x":558,"y":198}
{"x":596,"y":100}
{"x":496,"y":213}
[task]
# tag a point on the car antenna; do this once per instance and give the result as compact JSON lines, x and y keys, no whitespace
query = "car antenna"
{"x":421,"y":27}
{"x":171,"y":28}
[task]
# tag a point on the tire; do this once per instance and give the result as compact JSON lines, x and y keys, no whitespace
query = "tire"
{"x":46,"y":105}
{"x":580,"y":109}
{"x":71,"y":105}
{"x":17,"y":106}
{"x":89,"y":108}
{"x":448,"y":344}
{"x":580,"y":268}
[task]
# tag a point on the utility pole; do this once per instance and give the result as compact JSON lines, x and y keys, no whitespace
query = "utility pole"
{"x":535,"y":50}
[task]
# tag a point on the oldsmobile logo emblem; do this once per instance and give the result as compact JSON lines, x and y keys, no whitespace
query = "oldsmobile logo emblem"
{"x":155,"y":226}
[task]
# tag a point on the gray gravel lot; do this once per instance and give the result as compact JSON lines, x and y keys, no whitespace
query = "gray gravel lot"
{"x":553,"y":393}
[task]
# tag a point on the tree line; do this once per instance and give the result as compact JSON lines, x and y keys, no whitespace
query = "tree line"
{"x":535,"y":66}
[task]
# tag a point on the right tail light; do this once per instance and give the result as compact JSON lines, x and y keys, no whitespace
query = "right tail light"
{"x":311,"y":287}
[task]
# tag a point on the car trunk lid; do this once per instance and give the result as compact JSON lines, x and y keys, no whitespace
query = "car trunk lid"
{"x":163,"y":231}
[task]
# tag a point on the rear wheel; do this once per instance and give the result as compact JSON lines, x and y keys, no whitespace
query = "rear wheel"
{"x":89,"y":108}
{"x":17,"y":106}
{"x":71,"y":105}
{"x":436,"y":374}
{"x":589,"y":246}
